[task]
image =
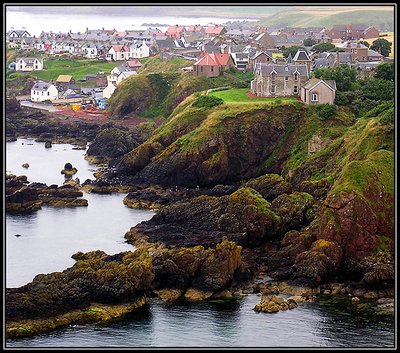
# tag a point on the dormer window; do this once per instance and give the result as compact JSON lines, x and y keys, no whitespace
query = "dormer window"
{"x":273,"y":76}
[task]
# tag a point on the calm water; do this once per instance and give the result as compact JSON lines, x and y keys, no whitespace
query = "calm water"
{"x":50,"y":236}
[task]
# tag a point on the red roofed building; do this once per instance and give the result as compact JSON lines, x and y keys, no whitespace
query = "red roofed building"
{"x":215,"y":30}
{"x":134,"y":64}
{"x":211,"y":65}
{"x":175,"y":31}
{"x":118,"y":52}
{"x":195,"y":28}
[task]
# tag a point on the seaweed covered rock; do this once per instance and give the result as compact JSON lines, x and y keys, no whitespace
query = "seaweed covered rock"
{"x":269,"y":186}
{"x":96,"y":276}
{"x":25,"y":199}
{"x":69,"y":170}
{"x":274,"y":303}
{"x":111,"y":142}
{"x":243,"y":217}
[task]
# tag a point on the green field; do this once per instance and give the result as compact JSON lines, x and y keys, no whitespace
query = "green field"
{"x":239,"y":95}
{"x":77,"y":68}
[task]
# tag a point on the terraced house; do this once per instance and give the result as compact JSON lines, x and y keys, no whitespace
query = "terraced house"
{"x":278,"y":80}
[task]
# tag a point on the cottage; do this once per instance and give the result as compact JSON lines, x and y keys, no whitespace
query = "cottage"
{"x":124,"y":75}
{"x":278,"y":80}
{"x":352,"y":32}
{"x":134,"y":65}
{"x":212,"y":65}
{"x":28,"y":64}
{"x":117,"y":53}
{"x":119,"y":69}
{"x":42,"y":91}
{"x":175,"y":31}
{"x":139,"y":50}
{"x":318,"y":91}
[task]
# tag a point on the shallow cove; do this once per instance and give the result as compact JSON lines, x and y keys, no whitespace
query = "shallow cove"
{"x":50,"y":236}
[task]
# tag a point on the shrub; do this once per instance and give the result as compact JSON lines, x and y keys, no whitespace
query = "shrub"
{"x":207,"y":102}
{"x":326,"y":111}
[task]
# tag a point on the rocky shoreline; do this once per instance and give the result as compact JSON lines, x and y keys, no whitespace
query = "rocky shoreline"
{"x":265,"y":235}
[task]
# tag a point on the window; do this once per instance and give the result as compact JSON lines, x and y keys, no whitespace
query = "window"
{"x":212,"y":68}
{"x":48,"y":93}
{"x":201,"y":68}
{"x":296,"y":76}
{"x":273,"y":76}
{"x":286,"y":78}
{"x":314,"y":97}
{"x":295,"y":89}
{"x":273,"y":89}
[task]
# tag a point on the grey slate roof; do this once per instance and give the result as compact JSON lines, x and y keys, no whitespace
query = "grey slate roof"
{"x":281,"y":69}
{"x":41,"y":86}
{"x":301,"y":55}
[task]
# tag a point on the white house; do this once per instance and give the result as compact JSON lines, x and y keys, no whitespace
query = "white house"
{"x":28,"y":64}
{"x":139,"y":50}
{"x":117,"y":53}
{"x":109,"y":90}
{"x":123,"y":75}
{"x":89,"y":51}
{"x":42,"y":91}
{"x":119,"y":70}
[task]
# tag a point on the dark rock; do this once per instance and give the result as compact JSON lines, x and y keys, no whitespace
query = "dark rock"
{"x":47,"y":144}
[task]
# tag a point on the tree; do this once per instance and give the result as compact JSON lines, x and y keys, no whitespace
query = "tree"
{"x":321,"y":47}
{"x":377,"y":89}
{"x":326,"y":111}
{"x":292,"y":50}
{"x":309,"y":42}
{"x":382,"y":46}
{"x":365,"y":43}
{"x":344,"y":76}
{"x":385,"y":71}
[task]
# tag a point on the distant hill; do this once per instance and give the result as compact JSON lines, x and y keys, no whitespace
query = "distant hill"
{"x":384,"y":20}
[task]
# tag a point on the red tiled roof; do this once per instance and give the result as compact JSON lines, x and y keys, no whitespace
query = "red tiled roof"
{"x":194,"y":28}
{"x":207,"y":59}
{"x":174,"y":30}
{"x":119,"y":34}
{"x":214,"y":29}
{"x":133,"y":63}
{"x":118,"y":48}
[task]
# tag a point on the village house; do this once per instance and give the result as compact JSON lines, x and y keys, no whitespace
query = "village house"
{"x":212,"y":65}
{"x":28,"y":64}
{"x":278,"y":80}
{"x":134,"y":65}
{"x":241,"y":61}
{"x":42,"y":91}
{"x":109,"y":90}
{"x":64,"y":81}
{"x":118,"y":53}
{"x":215,"y":30}
{"x":318,"y":91}
{"x":260,"y":57}
{"x":89,"y":51}
{"x":139,"y":50}
{"x":175,"y":31}
{"x":124,"y":75}
{"x":15,"y":35}
{"x":264,"y":41}
{"x":358,"y":51}
{"x":331,"y":59}
{"x":352,"y":32}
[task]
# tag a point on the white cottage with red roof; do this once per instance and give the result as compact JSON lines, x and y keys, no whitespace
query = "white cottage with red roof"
{"x":118,"y":52}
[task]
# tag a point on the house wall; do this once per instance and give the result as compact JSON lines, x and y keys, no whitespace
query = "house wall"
{"x":40,"y":96}
{"x":262,"y":58}
{"x":371,"y":33}
{"x":360,"y":54}
{"x":261,"y":86}
{"x":325,"y":95}
{"x":109,"y":90}
{"x":202,"y":70}
{"x":303,"y":62}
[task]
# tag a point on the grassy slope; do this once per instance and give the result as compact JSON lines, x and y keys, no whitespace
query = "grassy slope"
{"x":155,"y":64}
{"x":240,"y":95}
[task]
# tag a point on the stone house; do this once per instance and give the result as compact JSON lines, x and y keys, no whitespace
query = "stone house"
{"x":352,"y":32}
{"x":212,"y":65}
{"x":278,"y":80}
{"x":318,"y":91}
{"x":358,"y":51}
{"x":42,"y":91}
{"x":264,"y":41}
{"x":260,"y":57}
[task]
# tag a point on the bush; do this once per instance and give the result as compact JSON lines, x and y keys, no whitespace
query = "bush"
{"x":326,"y":111}
{"x":207,"y":102}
